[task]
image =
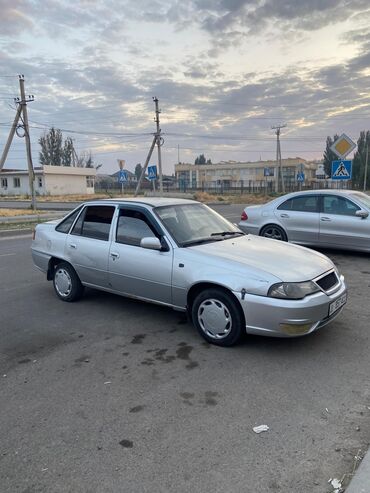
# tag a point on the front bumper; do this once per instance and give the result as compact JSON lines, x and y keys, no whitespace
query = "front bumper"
{"x":289,"y":318}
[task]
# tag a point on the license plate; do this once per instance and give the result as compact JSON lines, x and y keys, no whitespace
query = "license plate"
{"x":338,"y":303}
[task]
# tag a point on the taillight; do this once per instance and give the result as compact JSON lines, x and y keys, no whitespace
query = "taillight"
{"x":244,"y":216}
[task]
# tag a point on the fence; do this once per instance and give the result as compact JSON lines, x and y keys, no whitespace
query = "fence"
{"x":226,"y":188}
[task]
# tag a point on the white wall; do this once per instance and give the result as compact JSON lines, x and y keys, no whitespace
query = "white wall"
{"x":66,"y":185}
{"x":24,"y":188}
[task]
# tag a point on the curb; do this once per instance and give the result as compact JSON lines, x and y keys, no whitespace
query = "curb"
{"x":361,"y":481}
{"x":10,"y":233}
{"x":35,"y":218}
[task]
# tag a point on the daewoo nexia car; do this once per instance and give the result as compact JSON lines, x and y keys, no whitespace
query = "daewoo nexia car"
{"x":182,"y":254}
{"x":326,"y":218}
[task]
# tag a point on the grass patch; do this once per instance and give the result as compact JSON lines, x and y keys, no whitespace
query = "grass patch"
{"x":19,"y":212}
{"x":246,"y":198}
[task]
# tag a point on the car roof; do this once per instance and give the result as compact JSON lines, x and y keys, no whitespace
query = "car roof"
{"x":151,"y":201}
{"x":313,"y":192}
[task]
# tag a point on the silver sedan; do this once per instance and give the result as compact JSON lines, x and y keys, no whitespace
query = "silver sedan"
{"x":182,"y":254}
{"x":326,"y":218}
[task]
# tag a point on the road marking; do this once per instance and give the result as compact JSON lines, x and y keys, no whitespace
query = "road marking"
{"x":7,"y":254}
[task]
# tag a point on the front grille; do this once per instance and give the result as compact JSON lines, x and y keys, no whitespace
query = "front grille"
{"x":327,"y":282}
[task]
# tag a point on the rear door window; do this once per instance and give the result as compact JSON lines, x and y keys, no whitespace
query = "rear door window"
{"x":95,"y":222}
{"x":334,"y":204}
{"x":303,"y":203}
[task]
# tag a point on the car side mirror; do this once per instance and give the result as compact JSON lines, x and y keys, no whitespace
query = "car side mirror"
{"x":151,"y":243}
{"x":361,"y":213}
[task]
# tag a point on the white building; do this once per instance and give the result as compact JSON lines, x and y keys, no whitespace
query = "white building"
{"x":49,"y":180}
{"x":230,"y":174}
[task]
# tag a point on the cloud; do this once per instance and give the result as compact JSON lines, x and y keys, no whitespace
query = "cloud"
{"x":106,"y":83}
{"x":14,"y":17}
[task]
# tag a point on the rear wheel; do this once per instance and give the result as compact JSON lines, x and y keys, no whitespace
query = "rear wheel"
{"x":66,"y":282}
{"x":218,"y":317}
{"x":274,"y":231}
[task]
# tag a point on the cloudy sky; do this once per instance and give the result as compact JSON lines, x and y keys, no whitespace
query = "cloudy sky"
{"x":224,"y":71}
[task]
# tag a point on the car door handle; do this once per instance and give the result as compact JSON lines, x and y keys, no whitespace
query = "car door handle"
{"x":73,"y":245}
{"x":114,"y":255}
{"x":284,"y":215}
{"x":325,"y":219}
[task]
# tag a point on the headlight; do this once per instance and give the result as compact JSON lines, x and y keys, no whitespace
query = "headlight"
{"x":292,"y":290}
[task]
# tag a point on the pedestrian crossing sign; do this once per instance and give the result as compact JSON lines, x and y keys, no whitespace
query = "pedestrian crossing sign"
{"x":152,"y":172}
{"x":341,"y":170}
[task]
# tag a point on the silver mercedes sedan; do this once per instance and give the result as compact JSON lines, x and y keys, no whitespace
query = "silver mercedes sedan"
{"x":182,"y":254}
{"x":324,"y":218}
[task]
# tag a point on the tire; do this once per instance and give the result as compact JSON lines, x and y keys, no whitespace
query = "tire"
{"x":66,"y":282}
{"x":274,"y":232}
{"x":217,"y":317}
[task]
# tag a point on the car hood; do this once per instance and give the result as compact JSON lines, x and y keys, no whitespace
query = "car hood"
{"x":289,"y":263}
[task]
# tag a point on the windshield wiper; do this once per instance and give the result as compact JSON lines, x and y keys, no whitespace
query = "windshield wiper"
{"x":227,"y":233}
{"x":200,"y":241}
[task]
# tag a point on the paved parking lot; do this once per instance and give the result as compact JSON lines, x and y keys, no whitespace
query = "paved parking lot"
{"x":113,"y":395}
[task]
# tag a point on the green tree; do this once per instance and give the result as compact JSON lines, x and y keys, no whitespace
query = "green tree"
{"x":51,"y":148}
{"x":138,"y":170}
{"x":68,"y":151}
{"x":55,"y":152}
{"x":201,"y":159}
{"x":89,"y":161}
{"x":329,"y":155}
{"x":359,"y":160}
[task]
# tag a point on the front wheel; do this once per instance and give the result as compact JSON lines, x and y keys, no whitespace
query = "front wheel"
{"x":66,"y":282}
{"x":218,"y":317}
{"x":274,"y":232}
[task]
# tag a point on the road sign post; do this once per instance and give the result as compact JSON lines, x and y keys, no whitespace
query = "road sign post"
{"x":300,"y":179}
{"x":152,"y":174}
{"x":266,"y":173}
{"x":121,"y":165}
{"x":122,"y":178}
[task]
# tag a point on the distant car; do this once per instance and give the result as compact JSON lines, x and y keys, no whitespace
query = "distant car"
{"x":324,"y":218}
{"x":184,"y":255}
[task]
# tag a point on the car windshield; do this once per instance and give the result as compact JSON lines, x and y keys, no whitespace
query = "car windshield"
{"x":362,"y":197}
{"x":192,"y":224}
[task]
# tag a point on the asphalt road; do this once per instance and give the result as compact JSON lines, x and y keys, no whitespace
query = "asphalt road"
{"x":112,"y":395}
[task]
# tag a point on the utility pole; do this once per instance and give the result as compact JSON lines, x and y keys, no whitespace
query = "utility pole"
{"x":365,"y":175}
{"x":156,"y":140}
{"x":279,"y":172}
{"x":159,"y":144}
{"x":22,"y":110}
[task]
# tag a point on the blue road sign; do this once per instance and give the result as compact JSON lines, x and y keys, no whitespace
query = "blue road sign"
{"x":300,"y":176}
{"x":268,"y":171}
{"x":122,"y":177}
{"x":341,"y":170}
{"x":152,"y":172}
